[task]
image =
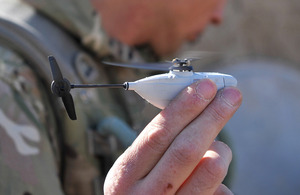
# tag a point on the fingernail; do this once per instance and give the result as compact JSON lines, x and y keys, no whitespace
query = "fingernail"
{"x":206,"y":89}
{"x":231,"y":96}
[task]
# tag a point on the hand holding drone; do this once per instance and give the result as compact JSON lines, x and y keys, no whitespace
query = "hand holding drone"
{"x":158,"y":90}
{"x":176,"y":152}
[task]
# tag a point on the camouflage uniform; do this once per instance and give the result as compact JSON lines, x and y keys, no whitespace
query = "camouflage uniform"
{"x":41,"y":150}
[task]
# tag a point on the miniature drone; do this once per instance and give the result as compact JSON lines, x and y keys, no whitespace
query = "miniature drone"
{"x":158,"y":90}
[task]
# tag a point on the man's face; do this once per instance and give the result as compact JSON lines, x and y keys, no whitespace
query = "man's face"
{"x":185,"y":21}
{"x":163,"y":24}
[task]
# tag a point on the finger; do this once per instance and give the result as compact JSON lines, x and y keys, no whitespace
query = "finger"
{"x":223,"y":190}
{"x":210,"y":172}
{"x":190,"y":145}
{"x":160,"y":133}
{"x":150,"y":145}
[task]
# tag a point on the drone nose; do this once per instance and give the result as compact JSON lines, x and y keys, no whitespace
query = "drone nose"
{"x":229,"y":81}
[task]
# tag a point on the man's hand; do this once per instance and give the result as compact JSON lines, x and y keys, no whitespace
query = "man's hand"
{"x":176,"y":152}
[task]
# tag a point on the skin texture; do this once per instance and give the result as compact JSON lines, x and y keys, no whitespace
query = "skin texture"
{"x":176,"y":152}
{"x":164,"y":24}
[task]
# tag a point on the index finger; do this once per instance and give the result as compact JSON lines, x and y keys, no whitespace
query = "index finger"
{"x":155,"y":139}
{"x":185,"y":152}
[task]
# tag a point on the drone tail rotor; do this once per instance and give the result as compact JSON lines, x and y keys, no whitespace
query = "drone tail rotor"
{"x":61,"y":87}
{"x":56,"y":73}
{"x":69,"y":105}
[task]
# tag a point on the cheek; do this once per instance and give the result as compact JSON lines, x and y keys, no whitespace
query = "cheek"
{"x":167,"y":47}
{"x":200,"y":15}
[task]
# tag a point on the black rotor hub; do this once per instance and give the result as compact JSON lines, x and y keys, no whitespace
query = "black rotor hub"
{"x":61,"y":88}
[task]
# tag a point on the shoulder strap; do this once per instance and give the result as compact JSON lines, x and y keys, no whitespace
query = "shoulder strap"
{"x":35,"y":37}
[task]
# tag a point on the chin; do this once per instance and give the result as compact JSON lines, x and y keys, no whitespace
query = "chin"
{"x":194,"y":38}
{"x":167,"y":49}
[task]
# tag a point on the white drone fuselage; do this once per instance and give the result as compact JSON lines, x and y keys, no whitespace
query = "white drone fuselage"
{"x":160,"y":89}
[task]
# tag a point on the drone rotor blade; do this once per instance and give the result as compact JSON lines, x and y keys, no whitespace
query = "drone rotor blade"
{"x":69,"y":105}
{"x":193,"y":59}
{"x":200,"y":54}
{"x":164,"y":66}
{"x":56,"y":73}
{"x":61,"y":87}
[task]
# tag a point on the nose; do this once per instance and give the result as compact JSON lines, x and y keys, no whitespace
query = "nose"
{"x":217,"y":16}
{"x":216,"y":19}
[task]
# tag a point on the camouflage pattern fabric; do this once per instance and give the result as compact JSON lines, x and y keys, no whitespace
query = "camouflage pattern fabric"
{"x":41,"y":150}
{"x":33,"y":158}
{"x":28,"y":160}
{"x":80,"y":18}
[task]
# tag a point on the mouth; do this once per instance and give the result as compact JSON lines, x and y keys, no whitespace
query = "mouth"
{"x":193,"y":37}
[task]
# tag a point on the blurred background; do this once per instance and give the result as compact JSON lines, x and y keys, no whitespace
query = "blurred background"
{"x":259,"y":43}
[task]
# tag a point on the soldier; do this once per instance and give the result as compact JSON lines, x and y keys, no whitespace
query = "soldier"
{"x":43,"y":152}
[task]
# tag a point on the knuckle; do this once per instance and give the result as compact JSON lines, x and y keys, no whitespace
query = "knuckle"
{"x":217,"y":113}
{"x":215,"y":169}
{"x":197,"y":100}
{"x":158,"y":138}
{"x":198,"y":97}
{"x":185,"y":153}
{"x":113,"y":183}
{"x":226,"y":151}
{"x":223,"y":190}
